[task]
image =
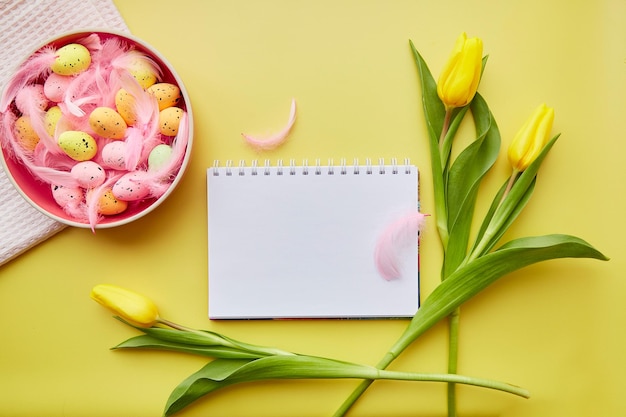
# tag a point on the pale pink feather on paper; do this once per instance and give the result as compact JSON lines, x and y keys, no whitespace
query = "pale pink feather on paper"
{"x":393,"y":240}
{"x":276,"y":139}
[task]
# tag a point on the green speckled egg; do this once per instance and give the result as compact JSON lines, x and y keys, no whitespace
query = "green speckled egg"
{"x":78,"y":145}
{"x":159,"y":156}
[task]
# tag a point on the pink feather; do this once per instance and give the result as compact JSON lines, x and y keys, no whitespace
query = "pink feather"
{"x":275,"y":140}
{"x":38,"y":65}
{"x":396,"y":237}
{"x":33,"y":103}
{"x":159,"y":180}
{"x":142,"y":137}
{"x":93,"y":197}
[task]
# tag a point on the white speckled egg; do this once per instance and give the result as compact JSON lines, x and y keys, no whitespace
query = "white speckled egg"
{"x":88,"y":174}
{"x":55,"y":86}
{"x":107,"y":123}
{"x":51,"y":119}
{"x":132,"y":186}
{"x":66,"y":195}
{"x":108,"y":205}
{"x":31,"y":96}
{"x":159,"y":156}
{"x":25,"y":134}
{"x":169,"y":120}
{"x":71,"y":59}
{"x":125,"y":105}
{"x":114,"y":155}
{"x":167,"y":94}
{"x":78,"y":145}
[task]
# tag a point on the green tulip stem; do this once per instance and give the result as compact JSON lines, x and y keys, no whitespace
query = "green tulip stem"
{"x":446,"y":127}
{"x":453,"y":357}
{"x":509,"y":185}
{"x":175,"y":325}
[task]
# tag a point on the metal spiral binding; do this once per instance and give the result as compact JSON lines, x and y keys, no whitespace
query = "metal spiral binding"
{"x":304,"y":169}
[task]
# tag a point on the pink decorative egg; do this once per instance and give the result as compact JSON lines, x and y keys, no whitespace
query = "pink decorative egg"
{"x":132,"y":186}
{"x":88,"y":174}
{"x":114,"y":155}
{"x":55,"y":86}
{"x":66,"y":195}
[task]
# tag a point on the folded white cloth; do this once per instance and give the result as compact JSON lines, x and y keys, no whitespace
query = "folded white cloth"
{"x":26,"y":24}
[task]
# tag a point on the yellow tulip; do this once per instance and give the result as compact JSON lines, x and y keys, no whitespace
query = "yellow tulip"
{"x":132,"y":307}
{"x":459,"y":79}
{"x":531,"y":138}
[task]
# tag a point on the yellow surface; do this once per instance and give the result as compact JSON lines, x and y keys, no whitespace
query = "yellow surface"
{"x":557,"y":329}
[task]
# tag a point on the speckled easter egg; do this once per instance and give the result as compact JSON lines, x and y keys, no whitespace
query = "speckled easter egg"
{"x":125,"y":105}
{"x":159,"y":156}
{"x":169,"y":120}
{"x":31,"y":97}
{"x":88,"y":174}
{"x":143,"y":71}
{"x":108,"y":205}
{"x":55,"y":86}
{"x":107,"y":123}
{"x":51,"y":119}
{"x":132,"y":186}
{"x":167,"y":94}
{"x":78,"y":145}
{"x":25,"y":134}
{"x":71,"y":59}
{"x":66,"y":195}
{"x":114,"y":155}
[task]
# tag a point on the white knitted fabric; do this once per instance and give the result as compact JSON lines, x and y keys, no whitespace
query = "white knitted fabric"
{"x":24,"y":25}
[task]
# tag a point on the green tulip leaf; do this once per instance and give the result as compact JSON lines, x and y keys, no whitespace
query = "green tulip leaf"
{"x":434,"y":112}
{"x":150,"y":342}
{"x":222,"y":373}
{"x":502,"y":214}
{"x":464,"y":180}
{"x":475,"y":276}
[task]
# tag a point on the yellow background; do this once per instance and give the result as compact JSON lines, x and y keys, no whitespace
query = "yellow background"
{"x":557,"y":328}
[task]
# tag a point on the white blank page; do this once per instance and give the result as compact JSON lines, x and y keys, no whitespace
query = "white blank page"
{"x":298,"y":242}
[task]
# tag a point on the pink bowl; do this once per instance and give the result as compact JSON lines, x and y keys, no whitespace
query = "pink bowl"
{"x":39,"y":194}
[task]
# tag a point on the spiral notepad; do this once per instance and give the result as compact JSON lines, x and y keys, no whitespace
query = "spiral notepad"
{"x":297,"y":241}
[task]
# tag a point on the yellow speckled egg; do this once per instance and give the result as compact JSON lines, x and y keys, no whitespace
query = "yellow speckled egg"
{"x":167,"y":94}
{"x":71,"y":59}
{"x":78,"y":145}
{"x":143,"y":71}
{"x":26,"y":135}
{"x":125,"y":105}
{"x":169,"y":120}
{"x":52,"y":118}
{"x":107,"y":123}
{"x":108,"y":205}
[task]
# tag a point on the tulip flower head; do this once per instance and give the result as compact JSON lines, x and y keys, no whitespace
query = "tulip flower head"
{"x":459,"y":79}
{"x":130,"y":306}
{"x":531,"y":138}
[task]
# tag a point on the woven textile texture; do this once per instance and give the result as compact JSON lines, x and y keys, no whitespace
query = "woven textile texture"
{"x":25,"y":25}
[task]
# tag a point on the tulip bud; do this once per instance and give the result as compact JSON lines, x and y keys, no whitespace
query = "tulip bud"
{"x":459,"y":79}
{"x":531,"y":138}
{"x":130,"y":306}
